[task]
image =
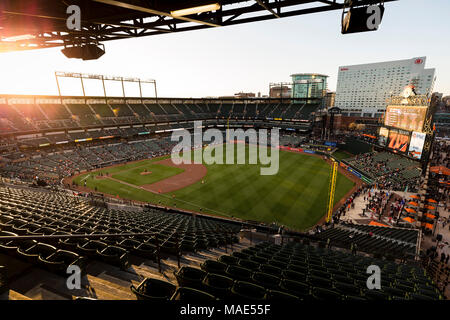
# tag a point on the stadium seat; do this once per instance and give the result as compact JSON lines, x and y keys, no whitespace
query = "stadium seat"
{"x":228,"y":260}
{"x":7,"y":246}
{"x":115,"y":256}
{"x":295,"y":288}
{"x":240,"y":255}
{"x":325,"y":294}
{"x":258,"y":259}
{"x":218,"y":285}
{"x":146,"y":250}
{"x":394,"y":292}
{"x":59,"y":261}
{"x":153,"y":289}
{"x":238,"y":273}
{"x":191,"y":295}
{"x":376,"y":295}
{"x":91,"y":248}
{"x":293,"y":275}
{"x":190,"y":277}
{"x":319,"y":282}
{"x":248,"y":291}
{"x":212,"y":266}
{"x":252,"y":265}
{"x":278,"y":263}
{"x":420,"y":297}
{"x":266,"y":280}
{"x":40,"y":250}
{"x":280,"y":296}
{"x":347,"y":289}
{"x":270,"y":270}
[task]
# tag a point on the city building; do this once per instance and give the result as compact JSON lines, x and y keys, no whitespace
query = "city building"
{"x":244,"y":95}
{"x":309,"y":85}
{"x":280,"y":90}
{"x":329,"y":99}
{"x":365,"y":89}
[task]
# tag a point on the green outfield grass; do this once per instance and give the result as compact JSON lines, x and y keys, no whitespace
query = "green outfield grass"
{"x":296,"y":196}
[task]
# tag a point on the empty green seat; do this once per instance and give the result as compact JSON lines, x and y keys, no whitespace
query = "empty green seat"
{"x":266,"y":280}
{"x":8,"y":246}
{"x":258,"y":259}
{"x":248,"y":291}
{"x":229,"y":260}
{"x":295,"y":288}
{"x":153,"y":289}
{"x":275,"y":271}
{"x":376,"y":295}
{"x":240,"y":255}
{"x":115,"y":256}
{"x":354,"y":298}
{"x":238,"y":273}
{"x":218,"y":285}
{"x":146,"y":250}
{"x":40,"y":250}
{"x":280,"y":296}
{"x":252,"y":265}
{"x":420,"y":297}
{"x":191,"y":294}
{"x":59,"y":261}
{"x":212,"y":266}
{"x":91,"y":248}
{"x":190,"y":277}
{"x":394,"y":292}
{"x":347,"y":289}
{"x":325,"y":294}
{"x":278,"y":263}
{"x":319,"y":282}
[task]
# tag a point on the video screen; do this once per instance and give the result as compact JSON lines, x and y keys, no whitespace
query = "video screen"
{"x":398,"y":140}
{"x":416,"y":145}
{"x":406,"y":118}
{"x":383,"y":136}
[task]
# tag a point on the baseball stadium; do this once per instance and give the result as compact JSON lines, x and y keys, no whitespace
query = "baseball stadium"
{"x":95,"y":206}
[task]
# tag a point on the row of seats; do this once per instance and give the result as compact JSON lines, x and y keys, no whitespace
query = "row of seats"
{"x":40,"y":213}
{"x":296,"y":271}
{"x":35,"y":117}
{"x":375,"y":244}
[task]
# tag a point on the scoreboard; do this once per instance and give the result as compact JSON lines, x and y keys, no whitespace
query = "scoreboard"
{"x":407,"y":124}
{"x":409,"y":118}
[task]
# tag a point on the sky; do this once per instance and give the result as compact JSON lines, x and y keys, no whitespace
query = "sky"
{"x":224,"y":61}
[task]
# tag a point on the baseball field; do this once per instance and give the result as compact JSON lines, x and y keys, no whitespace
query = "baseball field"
{"x":296,"y":196}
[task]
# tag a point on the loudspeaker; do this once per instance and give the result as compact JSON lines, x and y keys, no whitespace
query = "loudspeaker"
{"x":72,"y":52}
{"x":362,"y":19}
{"x":92,"y":52}
{"x":86,"y":52}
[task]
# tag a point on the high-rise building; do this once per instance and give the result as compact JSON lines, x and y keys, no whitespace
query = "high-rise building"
{"x":309,"y":85}
{"x":364,"y":89}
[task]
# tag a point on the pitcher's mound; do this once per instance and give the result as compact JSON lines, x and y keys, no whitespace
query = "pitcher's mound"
{"x":191,"y":174}
{"x":144,"y":173}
